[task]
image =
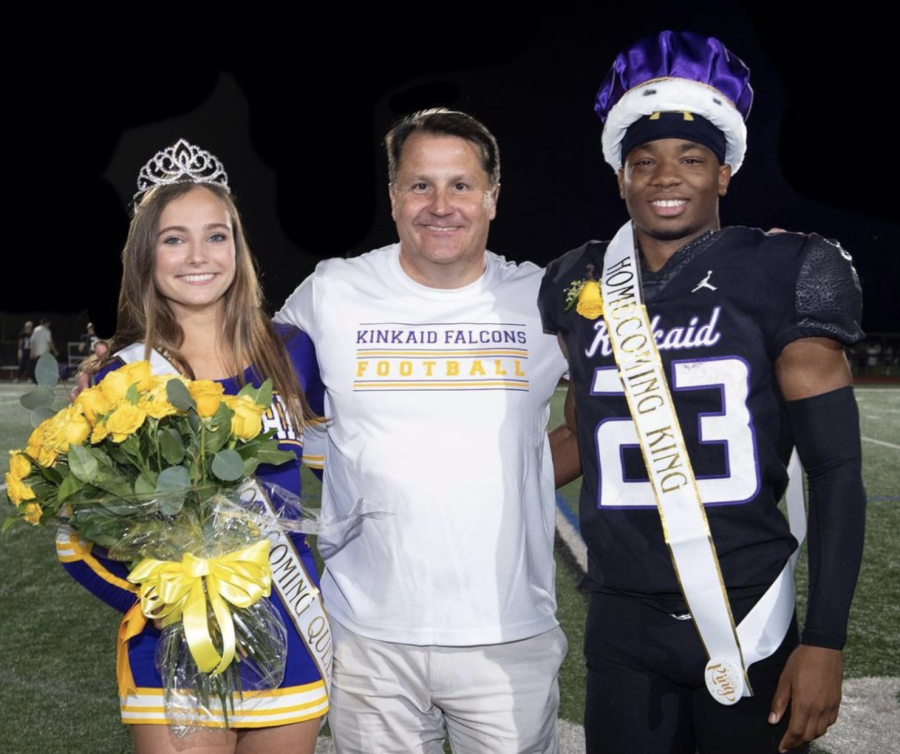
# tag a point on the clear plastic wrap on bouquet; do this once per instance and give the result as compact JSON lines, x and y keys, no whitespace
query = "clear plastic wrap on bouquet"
{"x":204,"y":575}
{"x":192,"y":697}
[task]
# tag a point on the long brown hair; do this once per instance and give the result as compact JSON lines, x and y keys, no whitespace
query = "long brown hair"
{"x":145,"y":315}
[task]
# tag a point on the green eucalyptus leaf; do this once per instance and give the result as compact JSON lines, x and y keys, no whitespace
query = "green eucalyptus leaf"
{"x":171,"y":487}
{"x":41,"y":415}
{"x":131,"y":395}
{"x":228,"y":466}
{"x":193,"y":419}
{"x":145,"y":484}
{"x":40,"y":397}
{"x":179,"y":396}
{"x":173,"y":478}
{"x":46,"y":371}
{"x":171,"y":445}
{"x":82,"y":463}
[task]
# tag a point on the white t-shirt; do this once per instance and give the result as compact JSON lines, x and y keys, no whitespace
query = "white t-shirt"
{"x":438,"y":402}
{"x":40,"y":341}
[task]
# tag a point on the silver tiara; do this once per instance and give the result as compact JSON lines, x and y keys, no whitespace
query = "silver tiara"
{"x":182,"y":163}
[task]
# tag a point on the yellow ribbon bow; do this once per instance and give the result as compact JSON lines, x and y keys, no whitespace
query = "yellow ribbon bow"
{"x":176,"y":591}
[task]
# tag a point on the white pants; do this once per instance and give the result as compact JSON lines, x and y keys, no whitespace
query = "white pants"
{"x":494,"y":698}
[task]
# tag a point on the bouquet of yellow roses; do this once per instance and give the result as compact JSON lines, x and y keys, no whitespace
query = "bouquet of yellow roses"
{"x":158,"y":470}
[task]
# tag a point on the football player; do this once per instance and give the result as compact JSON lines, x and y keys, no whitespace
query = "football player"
{"x":700,"y":356}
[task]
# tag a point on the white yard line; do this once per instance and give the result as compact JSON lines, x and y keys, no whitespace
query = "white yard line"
{"x":572,"y":539}
{"x":881,"y":442}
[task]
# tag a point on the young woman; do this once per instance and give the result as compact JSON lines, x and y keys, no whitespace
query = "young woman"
{"x":190,"y":292}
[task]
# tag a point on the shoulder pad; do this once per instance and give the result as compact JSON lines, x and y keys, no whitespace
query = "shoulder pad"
{"x":562,"y":267}
{"x":828,"y":294}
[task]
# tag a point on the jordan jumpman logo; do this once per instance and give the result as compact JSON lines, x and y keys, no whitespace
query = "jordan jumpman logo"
{"x":705,"y":283}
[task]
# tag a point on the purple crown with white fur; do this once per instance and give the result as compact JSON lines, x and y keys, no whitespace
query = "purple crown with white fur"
{"x":676,"y":71}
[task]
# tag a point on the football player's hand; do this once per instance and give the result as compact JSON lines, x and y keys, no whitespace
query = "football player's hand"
{"x":811,"y":684}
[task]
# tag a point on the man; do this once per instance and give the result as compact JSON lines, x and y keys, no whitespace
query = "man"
{"x":88,"y":340}
{"x":41,"y":343}
{"x":23,"y":352}
{"x":438,"y":380}
{"x":717,"y":351}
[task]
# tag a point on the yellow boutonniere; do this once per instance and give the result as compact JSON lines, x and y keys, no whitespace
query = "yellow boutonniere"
{"x":585,"y":296}
{"x":590,"y":302}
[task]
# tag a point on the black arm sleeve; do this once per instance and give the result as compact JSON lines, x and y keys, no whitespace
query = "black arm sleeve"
{"x":827,"y":437}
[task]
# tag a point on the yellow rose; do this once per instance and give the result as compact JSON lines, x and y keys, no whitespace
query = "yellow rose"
{"x":156,"y":402}
{"x":124,"y":422}
{"x":93,"y":403}
{"x":19,"y":465}
{"x":247,"y":420}
{"x":45,"y":456}
{"x":78,"y":428}
{"x":116,"y":384}
{"x":33,"y":513}
{"x":66,"y":427}
{"x":17,"y":490}
{"x":207,"y":394}
{"x":99,"y":434}
{"x":590,"y":302}
{"x":157,"y":409}
{"x":54,"y":435}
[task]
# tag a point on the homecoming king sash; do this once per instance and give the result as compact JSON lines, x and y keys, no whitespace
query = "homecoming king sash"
{"x":731,"y":649}
{"x":298,"y":593}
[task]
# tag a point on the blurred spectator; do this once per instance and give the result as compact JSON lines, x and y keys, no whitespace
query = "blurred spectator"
{"x":873,"y":357}
{"x":88,"y":340}
{"x":23,"y":351}
{"x":41,"y":343}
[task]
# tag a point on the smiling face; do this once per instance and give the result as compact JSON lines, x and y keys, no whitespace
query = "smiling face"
{"x":442,"y":202}
{"x":672,"y":188}
{"x":194,"y":256}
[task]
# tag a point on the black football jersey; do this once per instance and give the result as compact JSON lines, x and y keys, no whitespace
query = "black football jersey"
{"x":722,"y":309}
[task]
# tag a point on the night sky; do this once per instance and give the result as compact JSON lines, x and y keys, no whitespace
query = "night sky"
{"x":297,"y":114}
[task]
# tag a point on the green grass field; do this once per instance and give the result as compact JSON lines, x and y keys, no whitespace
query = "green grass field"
{"x":57,"y":642}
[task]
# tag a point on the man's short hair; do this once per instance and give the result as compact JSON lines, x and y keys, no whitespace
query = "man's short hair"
{"x":443,"y":122}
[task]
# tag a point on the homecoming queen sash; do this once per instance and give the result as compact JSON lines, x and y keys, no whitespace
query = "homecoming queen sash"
{"x":731,"y":649}
{"x":296,"y":589}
